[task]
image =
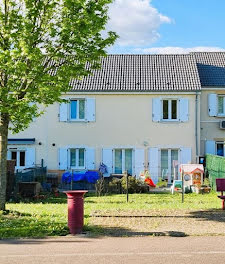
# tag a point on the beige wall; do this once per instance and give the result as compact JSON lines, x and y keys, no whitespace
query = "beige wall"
{"x":210,"y":125}
{"x":121,"y":120}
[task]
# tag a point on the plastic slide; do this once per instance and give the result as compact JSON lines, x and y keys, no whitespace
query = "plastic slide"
{"x":150,"y":182}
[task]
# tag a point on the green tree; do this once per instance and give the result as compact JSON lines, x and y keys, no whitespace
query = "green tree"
{"x":43,"y":44}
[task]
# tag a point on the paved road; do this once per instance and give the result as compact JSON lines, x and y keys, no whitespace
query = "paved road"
{"x":130,"y":250}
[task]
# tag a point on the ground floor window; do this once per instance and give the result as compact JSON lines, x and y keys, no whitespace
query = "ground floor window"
{"x":19,"y":156}
{"x":169,"y":164}
{"x":77,"y":158}
{"x":220,"y":148}
{"x":123,"y":160}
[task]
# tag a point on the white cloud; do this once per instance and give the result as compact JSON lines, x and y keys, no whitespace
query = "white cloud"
{"x":176,"y":50}
{"x":135,"y":21}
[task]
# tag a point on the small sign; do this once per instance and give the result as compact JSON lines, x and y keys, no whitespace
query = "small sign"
{"x":187,"y":177}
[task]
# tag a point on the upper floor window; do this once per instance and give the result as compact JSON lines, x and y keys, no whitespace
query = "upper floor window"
{"x":216,"y":105}
{"x":77,"y":109}
{"x":221,"y":104}
{"x":77,"y":158}
{"x":169,"y":109}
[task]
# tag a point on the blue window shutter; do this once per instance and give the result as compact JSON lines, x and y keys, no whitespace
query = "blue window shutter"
{"x":30,"y":157}
{"x":156,"y":109}
{"x":212,"y":104}
{"x":90,"y":109}
{"x":153,"y":158}
{"x":90,"y":158}
{"x":139,"y":160}
{"x":63,"y":158}
{"x":210,"y":147}
{"x":184,"y":109}
{"x":185,"y":156}
{"x":63,"y":112}
{"x":107,"y":159}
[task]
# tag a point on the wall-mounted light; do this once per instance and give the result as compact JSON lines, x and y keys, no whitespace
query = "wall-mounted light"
{"x":145,"y":143}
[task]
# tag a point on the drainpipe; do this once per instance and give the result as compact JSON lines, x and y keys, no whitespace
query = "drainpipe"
{"x":196,"y":126}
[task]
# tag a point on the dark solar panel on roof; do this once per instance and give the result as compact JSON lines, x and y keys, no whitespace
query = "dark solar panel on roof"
{"x":211,"y":68}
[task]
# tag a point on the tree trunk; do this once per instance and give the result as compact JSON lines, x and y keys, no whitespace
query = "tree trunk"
{"x":4,"y":124}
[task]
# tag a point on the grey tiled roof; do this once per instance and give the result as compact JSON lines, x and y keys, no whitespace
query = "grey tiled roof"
{"x":211,"y":67}
{"x":142,"y":73}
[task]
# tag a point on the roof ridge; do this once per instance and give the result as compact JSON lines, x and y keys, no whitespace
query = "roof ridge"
{"x":173,"y":54}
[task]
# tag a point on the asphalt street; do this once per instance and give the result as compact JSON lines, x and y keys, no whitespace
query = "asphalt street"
{"x":80,"y":249}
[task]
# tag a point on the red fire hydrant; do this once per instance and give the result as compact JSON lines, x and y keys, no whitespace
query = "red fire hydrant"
{"x":75,"y":201}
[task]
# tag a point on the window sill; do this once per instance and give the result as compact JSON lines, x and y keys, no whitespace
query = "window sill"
{"x":170,"y":121}
{"x":77,"y":120}
{"x":221,"y":115}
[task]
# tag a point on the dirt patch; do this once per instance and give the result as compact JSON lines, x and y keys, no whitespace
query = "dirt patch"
{"x":160,"y":222}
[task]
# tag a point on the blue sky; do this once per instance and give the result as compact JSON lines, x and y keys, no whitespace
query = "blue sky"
{"x":168,"y":26}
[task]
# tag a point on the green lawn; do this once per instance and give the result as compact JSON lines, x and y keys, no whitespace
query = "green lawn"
{"x":49,"y":217}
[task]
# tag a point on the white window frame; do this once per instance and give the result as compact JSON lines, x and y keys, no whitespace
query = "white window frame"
{"x":223,"y":96}
{"x":78,"y":108}
{"x":77,"y":167}
{"x":170,"y":109}
{"x":169,"y":162}
{"x":18,"y":157}
{"x":123,"y":158}
{"x":220,"y":142}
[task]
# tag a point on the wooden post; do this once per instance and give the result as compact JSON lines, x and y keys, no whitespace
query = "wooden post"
{"x":127,"y":179}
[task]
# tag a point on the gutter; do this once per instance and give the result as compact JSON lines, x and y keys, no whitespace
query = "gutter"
{"x":196,"y":126}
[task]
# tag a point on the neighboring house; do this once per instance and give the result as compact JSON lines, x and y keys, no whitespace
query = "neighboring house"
{"x":137,"y":112}
{"x":211,"y":67}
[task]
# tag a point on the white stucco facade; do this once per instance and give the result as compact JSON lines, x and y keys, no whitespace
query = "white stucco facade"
{"x":121,"y":121}
{"x":211,"y":132}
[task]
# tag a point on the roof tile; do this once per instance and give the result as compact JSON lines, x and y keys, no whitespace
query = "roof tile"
{"x":137,"y":73}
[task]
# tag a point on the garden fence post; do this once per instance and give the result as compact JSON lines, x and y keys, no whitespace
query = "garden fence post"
{"x":127,"y":179}
{"x":182,"y":177}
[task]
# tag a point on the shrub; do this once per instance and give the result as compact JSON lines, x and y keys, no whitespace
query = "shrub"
{"x":114,"y":186}
{"x":134,"y":185}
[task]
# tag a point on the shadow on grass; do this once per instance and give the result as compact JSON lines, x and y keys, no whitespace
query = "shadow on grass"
{"x":139,"y":216}
{"x":62,"y":199}
{"x":98,"y":231}
{"x":216,"y":215}
{"x":19,"y":225}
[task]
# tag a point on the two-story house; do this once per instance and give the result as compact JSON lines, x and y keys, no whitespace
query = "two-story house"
{"x":137,"y":112}
{"x":211,"y":68}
